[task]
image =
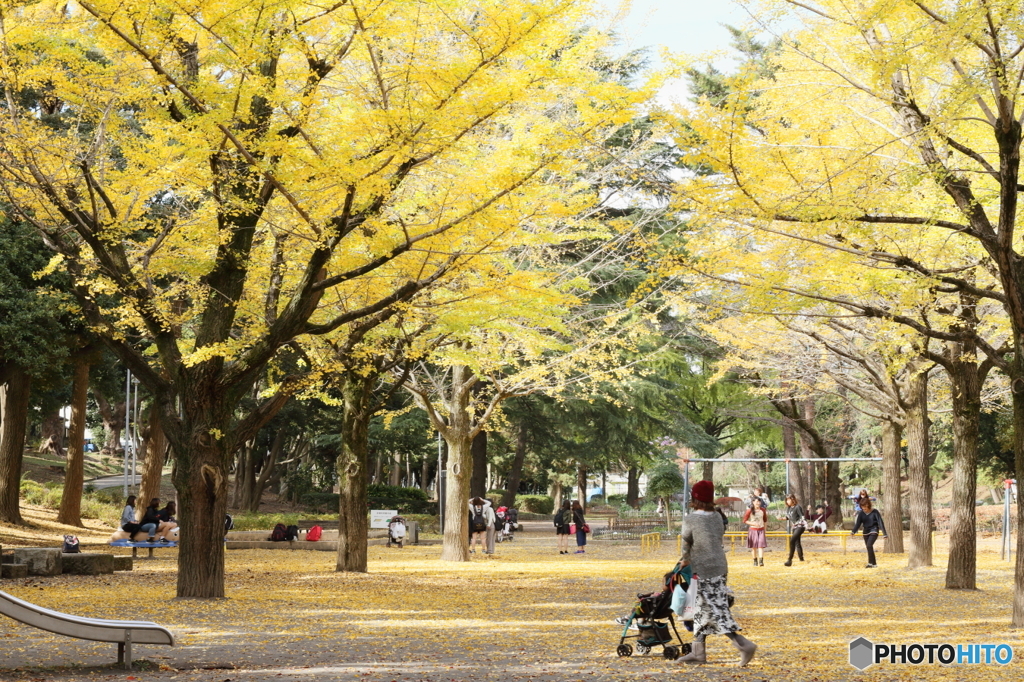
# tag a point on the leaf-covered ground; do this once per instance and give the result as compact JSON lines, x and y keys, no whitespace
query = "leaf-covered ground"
{"x":526,"y":613}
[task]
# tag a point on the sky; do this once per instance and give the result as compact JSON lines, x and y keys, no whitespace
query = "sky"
{"x":690,"y":26}
{"x":693,"y":27}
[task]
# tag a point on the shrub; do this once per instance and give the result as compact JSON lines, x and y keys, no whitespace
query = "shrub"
{"x":616,"y":500}
{"x":429,"y":523}
{"x":396,"y":492}
{"x":537,"y":504}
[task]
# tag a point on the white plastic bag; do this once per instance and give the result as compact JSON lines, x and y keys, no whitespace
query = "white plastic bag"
{"x":691,"y":600}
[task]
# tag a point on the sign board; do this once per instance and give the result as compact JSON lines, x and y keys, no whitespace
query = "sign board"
{"x":379,"y":518}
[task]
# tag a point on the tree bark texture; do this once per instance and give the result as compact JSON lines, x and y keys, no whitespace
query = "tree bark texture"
{"x":796,"y":480}
{"x":478,"y":481}
{"x":832,"y":493}
{"x":1017,"y":393}
{"x":633,"y":487}
{"x":459,"y":437}
{"x":353,"y":462}
{"x":12,"y":444}
{"x":156,"y":454}
{"x":581,"y":485}
{"x":202,"y":458}
{"x":965,"y":389}
{"x":515,"y":475}
{"x":113,"y":422}
{"x":807,"y":452}
{"x":51,"y":436}
{"x":920,"y":488}
{"x":70,"y":512}
{"x":892,"y":510}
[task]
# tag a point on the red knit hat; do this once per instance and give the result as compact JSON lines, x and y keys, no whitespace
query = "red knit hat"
{"x":704,"y":491}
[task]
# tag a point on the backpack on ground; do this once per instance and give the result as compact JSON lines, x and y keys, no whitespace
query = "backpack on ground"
{"x":291,"y":533}
{"x":71,"y":545}
{"x":279,"y":534}
{"x":314,"y":533}
{"x":479,"y":523}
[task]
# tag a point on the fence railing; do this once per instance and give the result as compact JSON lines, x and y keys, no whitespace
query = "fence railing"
{"x":650,"y":542}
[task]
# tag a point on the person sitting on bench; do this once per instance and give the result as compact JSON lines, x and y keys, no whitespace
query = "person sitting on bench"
{"x":129,"y":525}
{"x":167,"y":521}
{"x":151,"y":517}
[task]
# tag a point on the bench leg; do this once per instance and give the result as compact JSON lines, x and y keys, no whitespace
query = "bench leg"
{"x":150,"y":553}
{"x":135,"y":552}
{"x":126,"y":648}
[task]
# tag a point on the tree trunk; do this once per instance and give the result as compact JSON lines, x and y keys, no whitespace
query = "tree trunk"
{"x":708,"y":471}
{"x":920,"y":477}
{"x":201,"y":467}
{"x":113,"y":422}
{"x":556,"y":494}
{"x":961,"y":569}
{"x":12,"y":444}
{"x":455,"y":546}
{"x":51,"y":438}
{"x":1017,"y":393}
{"x":633,"y":487}
{"x":581,"y":485}
{"x":807,"y":452}
{"x":832,"y":493}
{"x":515,"y":475}
{"x":892,"y":510}
{"x":71,"y":498}
{"x":353,"y":462}
{"x":269,"y":472}
{"x":796,"y":480}
{"x":478,"y":481}
{"x":156,"y":452}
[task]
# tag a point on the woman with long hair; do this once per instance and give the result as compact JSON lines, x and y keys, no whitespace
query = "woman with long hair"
{"x":701,"y":537}
{"x":872,"y":522}
{"x":563,"y":517}
{"x":756,"y":519}
{"x":797,"y":525}
{"x":581,"y":534}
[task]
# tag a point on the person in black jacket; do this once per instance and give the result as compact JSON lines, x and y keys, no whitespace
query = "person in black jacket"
{"x":581,"y":523}
{"x":872,"y":522}
{"x":563,"y":517}
{"x":151,"y":518}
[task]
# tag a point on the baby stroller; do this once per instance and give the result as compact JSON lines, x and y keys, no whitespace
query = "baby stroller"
{"x":396,"y":531}
{"x":502,"y":525}
{"x":653,"y":617}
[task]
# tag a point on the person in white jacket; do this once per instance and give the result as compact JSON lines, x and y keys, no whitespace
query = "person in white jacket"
{"x":481,"y":525}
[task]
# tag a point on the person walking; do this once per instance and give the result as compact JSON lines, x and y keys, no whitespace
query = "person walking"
{"x":563,"y":518}
{"x":756,"y":519}
{"x":581,"y":525}
{"x":481,"y":517}
{"x":872,"y":522}
{"x":797,"y":526}
{"x":701,"y":536}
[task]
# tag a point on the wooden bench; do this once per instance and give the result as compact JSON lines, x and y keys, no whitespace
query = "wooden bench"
{"x":121,"y":632}
{"x":147,"y":545}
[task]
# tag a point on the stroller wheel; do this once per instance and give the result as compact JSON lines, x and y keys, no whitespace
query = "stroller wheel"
{"x":671,"y":653}
{"x":642,"y":649}
{"x":684,"y":649}
{"x":624,"y":650}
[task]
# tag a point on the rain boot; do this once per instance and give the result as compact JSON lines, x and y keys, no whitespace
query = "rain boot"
{"x":746,"y":647}
{"x":696,"y":655}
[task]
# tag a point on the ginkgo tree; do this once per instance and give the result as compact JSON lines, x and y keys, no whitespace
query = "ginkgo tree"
{"x":887,"y":123}
{"x":223,"y":178}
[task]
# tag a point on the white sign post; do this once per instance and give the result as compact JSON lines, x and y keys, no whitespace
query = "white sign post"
{"x":379,"y":518}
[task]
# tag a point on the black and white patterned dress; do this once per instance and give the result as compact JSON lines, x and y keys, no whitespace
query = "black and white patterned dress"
{"x":711,"y":614}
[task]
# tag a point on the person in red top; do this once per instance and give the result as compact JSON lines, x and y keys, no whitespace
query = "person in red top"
{"x":756,"y":519}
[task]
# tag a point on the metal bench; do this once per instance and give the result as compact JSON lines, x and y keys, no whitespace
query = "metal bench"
{"x":135,"y":546}
{"x":121,"y":632}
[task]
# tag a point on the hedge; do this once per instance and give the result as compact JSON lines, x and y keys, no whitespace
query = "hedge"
{"x":537,"y":504}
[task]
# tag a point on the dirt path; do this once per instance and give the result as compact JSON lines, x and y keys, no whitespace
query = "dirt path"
{"x":525,"y":613}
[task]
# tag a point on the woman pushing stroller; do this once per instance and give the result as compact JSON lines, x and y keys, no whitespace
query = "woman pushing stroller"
{"x":702,"y":533}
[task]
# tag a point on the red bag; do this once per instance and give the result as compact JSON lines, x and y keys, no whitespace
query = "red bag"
{"x":314,"y":533}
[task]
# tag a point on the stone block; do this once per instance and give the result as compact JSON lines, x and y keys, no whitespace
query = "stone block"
{"x":13,"y":571}
{"x":123,"y":563}
{"x":40,"y":561}
{"x":88,"y":563}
